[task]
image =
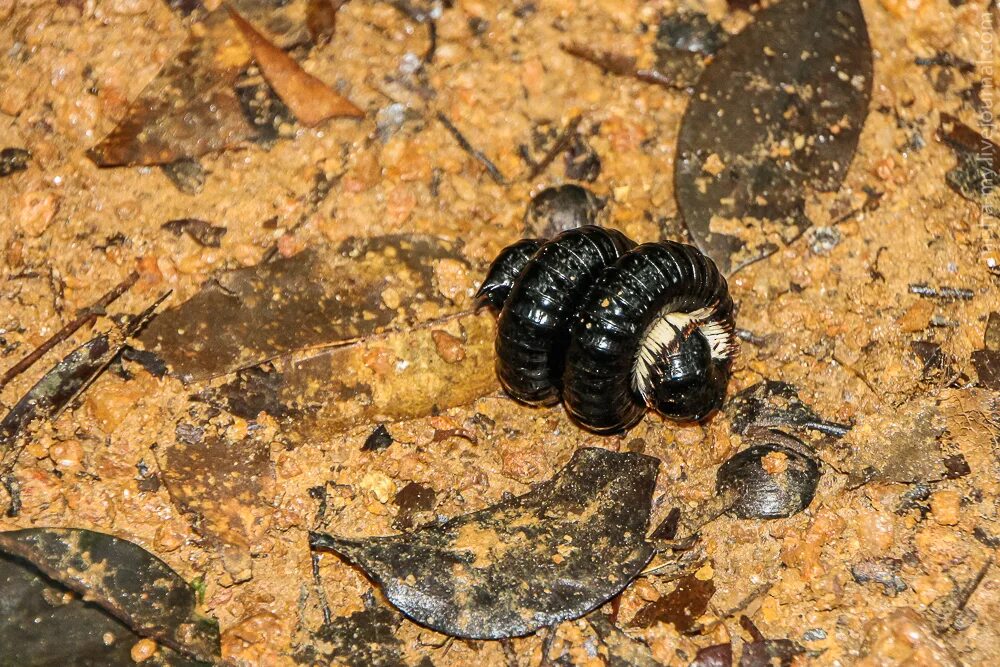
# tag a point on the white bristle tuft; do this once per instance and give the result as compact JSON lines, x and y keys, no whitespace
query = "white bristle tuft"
{"x":665,"y":332}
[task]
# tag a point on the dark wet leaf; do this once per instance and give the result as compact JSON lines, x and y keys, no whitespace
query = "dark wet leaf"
{"x":415,"y":501}
{"x":550,"y":555}
{"x":379,"y":439}
{"x":776,"y":404}
{"x":364,"y":639}
{"x":187,"y":175}
{"x":204,"y":233}
{"x":768,"y":481}
{"x":987,"y":365}
{"x":779,"y":110}
{"x":223,"y":481}
{"x":124,"y":581}
{"x":977,"y":173}
{"x":763,"y":652}
{"x":61,"y":384}
{"x":681,"y":608}
{"x":265,"y":111}
{"x":719,"y":655}
{"x":13,"y":160}
{"x":623,"y":651}
{"x":556,"y":209}
{"x":321,"y":296}
{"x":884,"y":571}
{"x":189,"y":109}
{"x":311,"y":100}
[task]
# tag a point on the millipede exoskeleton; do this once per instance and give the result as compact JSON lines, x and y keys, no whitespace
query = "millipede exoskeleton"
{"x":610,"y":328}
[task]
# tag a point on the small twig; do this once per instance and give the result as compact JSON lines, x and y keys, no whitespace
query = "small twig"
{"x":858,"y":374}
{"x":509,"y":654}
{"x":85,"y":316}
{"x":621,"y":65}
{"x":491,"y":168}
{"x":948,"y":293}
{"x":320,"y":593}
{"x":562,"y":143}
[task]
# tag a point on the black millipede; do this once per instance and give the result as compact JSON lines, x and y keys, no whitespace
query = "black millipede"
{"x":611,"y":328}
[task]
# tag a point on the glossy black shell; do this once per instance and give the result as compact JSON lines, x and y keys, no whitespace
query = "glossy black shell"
{"x":614,"y":316}
{"x":574,"y":312}
{"x":534,"y":325}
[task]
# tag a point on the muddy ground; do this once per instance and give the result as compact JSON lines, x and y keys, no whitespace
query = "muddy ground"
{"x":842,"y":315}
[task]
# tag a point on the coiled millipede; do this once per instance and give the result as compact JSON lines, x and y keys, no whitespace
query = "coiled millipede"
{"x":611,"y":328}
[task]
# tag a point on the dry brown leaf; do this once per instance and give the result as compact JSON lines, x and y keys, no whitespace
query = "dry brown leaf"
{"x":311,"y":100}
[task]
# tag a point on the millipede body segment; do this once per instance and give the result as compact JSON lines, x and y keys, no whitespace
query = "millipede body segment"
{"x":610,"y":328}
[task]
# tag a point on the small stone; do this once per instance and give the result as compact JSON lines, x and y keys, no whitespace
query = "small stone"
{"x":452,"y":279}
{"x":34,"y":211}
{"x":143,"y":650}
{"x":381,"y":486}
{"x":903,"y":638}
{"x":917,"y":317}
{"x":823,"y":239}
{"x":450,"y":348}
{"x":67,"y":455}
{"x":945,"y":507}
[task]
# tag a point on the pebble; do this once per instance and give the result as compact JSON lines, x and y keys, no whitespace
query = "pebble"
{"x":67,"y":455}
{"x":450,"y":348}
{"x":34,"y":211}
{"x":945,"y":507}
{"x":143,"y":650}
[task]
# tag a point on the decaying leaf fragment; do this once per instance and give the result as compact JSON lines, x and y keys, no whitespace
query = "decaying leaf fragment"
{"x":61,"y":384}
{"x":311,"y":100}
{"x":366,"y":638}
{"x":390,"y":377}
{"x":977,"y":174}
{"x":779,"y":110}
{"x":190,"y":108}
{"x":129,"y":594}
{"x":553,"y":554}
{"x":322,"y":296}
{"x":918,"y":442}
{"x":223,"y":483}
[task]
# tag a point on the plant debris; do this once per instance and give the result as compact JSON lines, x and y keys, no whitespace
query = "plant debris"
{"x":768,"y":481}
{"x":550,"y":555}
{"x":562,"y":207}
{"x":189,"y":109}
{"x":321,"y":296}
{"x":681,"y":608}
{"x":204,"y":233}
{"x":118,"y":578}
{"x":771,"y":404}
{"x":311,"y":100}
{"x":623,"y":651}
{"x":13,"y":160}
{"x":366,"y":638}
{"x":754,"y":136}
{"x":61,"y":384}
{"x":977,"y":173}
{"x":919,"y":442}
{"x":223,"y":482}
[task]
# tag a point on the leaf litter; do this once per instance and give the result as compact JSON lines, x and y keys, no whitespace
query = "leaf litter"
{"x":553,"y":554}
{"x":755,"y":135}
{"x":120,"y":579}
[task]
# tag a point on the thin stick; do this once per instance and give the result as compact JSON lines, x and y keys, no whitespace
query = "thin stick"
{"x":491,"y":168}
{"x":85,"y":316}
{"x":561,"y":144}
